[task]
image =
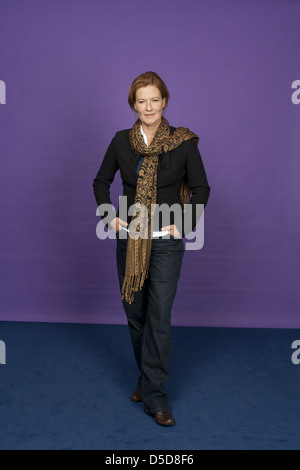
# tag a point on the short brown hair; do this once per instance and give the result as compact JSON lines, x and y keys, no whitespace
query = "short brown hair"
{"x":145,"y":79}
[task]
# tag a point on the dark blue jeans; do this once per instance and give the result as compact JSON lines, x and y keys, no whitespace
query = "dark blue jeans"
{"x":149,"y":317}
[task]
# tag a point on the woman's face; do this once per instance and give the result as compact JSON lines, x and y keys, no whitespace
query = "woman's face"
{"x":149,"y":105}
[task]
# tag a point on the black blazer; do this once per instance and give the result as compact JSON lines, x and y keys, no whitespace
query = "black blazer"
{"x":172,"y":166}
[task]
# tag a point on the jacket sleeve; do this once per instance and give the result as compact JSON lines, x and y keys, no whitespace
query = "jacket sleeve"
{"x":199,"y":186}
{"x":104,"y":179}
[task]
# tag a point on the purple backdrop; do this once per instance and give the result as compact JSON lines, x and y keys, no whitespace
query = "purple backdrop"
{"x":229,"y":66}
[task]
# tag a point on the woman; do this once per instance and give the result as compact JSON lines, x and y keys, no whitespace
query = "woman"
{"x":159,"y":164}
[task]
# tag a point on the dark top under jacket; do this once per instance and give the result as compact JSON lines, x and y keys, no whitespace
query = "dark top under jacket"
{"x":172,"y":166}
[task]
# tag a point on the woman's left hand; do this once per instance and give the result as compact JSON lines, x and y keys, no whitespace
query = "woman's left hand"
{"x":173,"y":230}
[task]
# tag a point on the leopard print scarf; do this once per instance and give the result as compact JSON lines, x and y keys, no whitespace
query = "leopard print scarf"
{"x":139,"y":241}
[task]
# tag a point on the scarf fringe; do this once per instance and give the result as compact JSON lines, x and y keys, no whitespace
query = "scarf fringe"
{"x":132,"y":284}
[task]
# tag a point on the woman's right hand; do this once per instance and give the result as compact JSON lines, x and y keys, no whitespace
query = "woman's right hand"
{"x":116,"y":224}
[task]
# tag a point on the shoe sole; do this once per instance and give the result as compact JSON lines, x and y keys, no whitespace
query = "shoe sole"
{"x":136,"y":400}
{"x":161,"y":424}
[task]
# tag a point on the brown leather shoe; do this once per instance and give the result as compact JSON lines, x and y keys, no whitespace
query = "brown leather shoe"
{"x":164,"y":418}
{"x":137,"y":395}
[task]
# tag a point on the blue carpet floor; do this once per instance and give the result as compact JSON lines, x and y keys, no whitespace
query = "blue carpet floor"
{"x":67,"y":386}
